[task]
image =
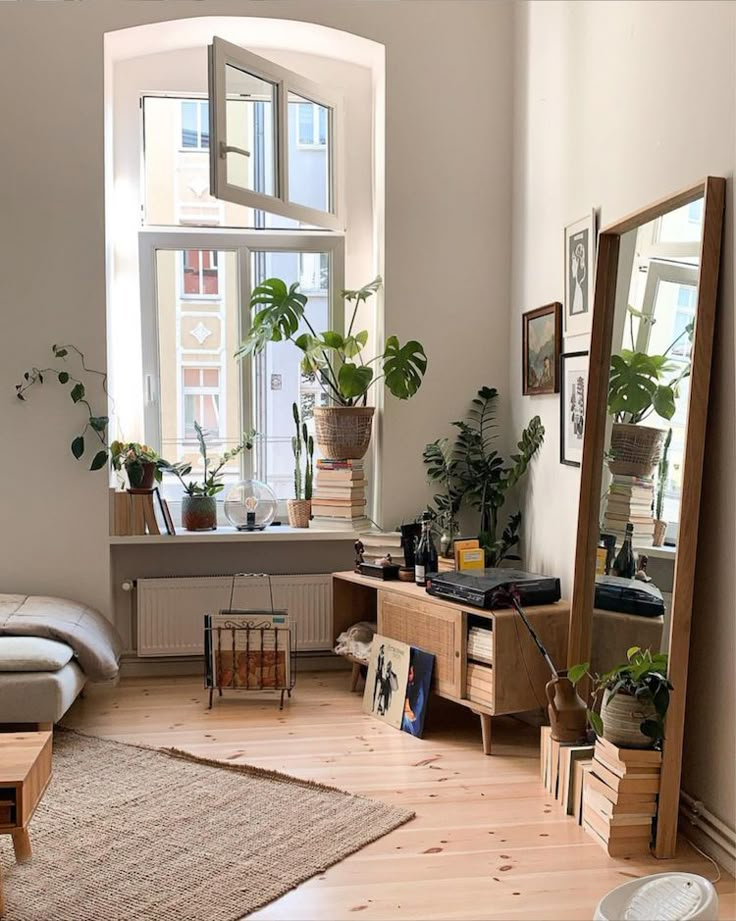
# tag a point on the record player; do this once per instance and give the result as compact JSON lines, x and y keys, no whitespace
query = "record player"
{"x":488,"y":588}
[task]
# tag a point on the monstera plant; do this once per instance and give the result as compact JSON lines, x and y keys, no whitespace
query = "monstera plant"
{"x":336,"y":360}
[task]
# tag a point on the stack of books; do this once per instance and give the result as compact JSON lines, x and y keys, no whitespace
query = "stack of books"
{"x":378,"y":543}
{"x":620,"y":798}
{"x":630,"y":498}
{"x":480,"y":645}
{"x":563,"y":766}
{"x":339,"y":490}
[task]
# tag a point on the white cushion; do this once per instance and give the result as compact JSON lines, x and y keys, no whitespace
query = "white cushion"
{"x":32,"y":654}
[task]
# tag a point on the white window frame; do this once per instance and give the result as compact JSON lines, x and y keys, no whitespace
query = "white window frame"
{"x":198,"y":147}
{"x":202,"y":391}
{"x":223,"y":54}
{"x":315,"y":143}
{"x":200,"y":297}
{"x":243,"y":244}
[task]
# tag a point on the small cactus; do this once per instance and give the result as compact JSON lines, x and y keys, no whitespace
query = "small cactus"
{"x":296,"y":447}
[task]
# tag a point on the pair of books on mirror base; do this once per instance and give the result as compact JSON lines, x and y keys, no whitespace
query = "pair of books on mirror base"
{"x":611,"y":791}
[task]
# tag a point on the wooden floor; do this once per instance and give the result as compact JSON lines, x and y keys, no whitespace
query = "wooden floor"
{"x":487,"y":841}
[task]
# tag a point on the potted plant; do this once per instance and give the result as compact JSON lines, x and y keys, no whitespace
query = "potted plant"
{"x":474,"y":473}
{"x":634,"y":699}
{"x":439,"y":459}
{"x":141,"y":464}
{"x":663,"y":472}
{"x":199,"y":505}
{"x":299,"y":508}
{"x":343,"y":429}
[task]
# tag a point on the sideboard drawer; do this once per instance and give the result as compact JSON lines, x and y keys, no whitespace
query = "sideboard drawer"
{"x":431,"y":627}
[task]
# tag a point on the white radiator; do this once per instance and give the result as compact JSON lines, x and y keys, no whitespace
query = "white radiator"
{"x":170,"y":612}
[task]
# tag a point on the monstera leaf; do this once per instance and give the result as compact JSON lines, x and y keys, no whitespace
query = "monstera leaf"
{"x":404,"y":367}
{"x":279,"y":313}
{"x":354,"y":379}
{"x":634,"y":388}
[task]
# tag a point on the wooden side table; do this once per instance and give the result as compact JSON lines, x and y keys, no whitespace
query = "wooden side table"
{"x":25,"y":772}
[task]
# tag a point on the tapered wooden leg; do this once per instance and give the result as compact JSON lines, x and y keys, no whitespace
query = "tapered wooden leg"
{"x":485,"y":727}
{"x":355,"y":677}
{"x":21,"y":845}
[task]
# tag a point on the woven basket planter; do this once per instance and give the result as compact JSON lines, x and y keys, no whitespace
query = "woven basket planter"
{"x":635,"y":449}
{"x":299,"y":512}
{"x":622,"y":716}
{"x":343,"y":432}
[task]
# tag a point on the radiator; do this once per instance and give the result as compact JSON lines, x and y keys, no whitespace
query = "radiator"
{"x":170,"y":612}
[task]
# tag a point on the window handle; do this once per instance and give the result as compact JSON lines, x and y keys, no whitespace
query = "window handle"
{"x":225,"y":149}
{"x":150,"y":397}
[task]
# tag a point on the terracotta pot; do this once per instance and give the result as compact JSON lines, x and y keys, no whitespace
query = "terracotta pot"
{"x":622,"y":715}
{"x":567,"y":713}
{"x":343,"y":432}
{"x":299,"y":512}
{"x":141,"y":476}
{"x":660,"y":529}
{"x":635,"y":449}
{"x":199,"y":513}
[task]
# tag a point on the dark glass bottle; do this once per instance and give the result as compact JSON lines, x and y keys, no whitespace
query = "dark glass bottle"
{"x":425,"y":560}
{"x":625,"y":565}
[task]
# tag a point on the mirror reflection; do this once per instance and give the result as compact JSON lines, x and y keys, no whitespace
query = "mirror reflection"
{"x":648,"y":395}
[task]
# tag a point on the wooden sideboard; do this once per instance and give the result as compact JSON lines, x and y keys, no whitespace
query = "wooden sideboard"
{"x":515,"y":679}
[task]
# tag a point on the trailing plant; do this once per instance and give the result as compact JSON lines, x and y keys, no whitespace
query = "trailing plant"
{"x":643,"y":676}
{"x":278,"y":313}
{"x":640,"y":384}
{"x":213,"y":472}
{"x":133,"y":456}
{"x":302,"y":440}
{"x":663,"y":472}
{"x":473,"y":472}
{"x":96,"y":423}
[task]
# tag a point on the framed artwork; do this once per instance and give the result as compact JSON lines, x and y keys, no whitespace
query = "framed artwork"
{"x":541,"y":344}
{"x":573,"y":389}
{"x":418,"y":683}
{"x":579,"y":274}
{"x":386,"y":681}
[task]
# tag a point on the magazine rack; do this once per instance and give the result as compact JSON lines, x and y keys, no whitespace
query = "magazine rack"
{"x":250,"y":650}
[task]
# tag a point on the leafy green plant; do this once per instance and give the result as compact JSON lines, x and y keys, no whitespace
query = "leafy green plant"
{"x":643,"y":676}
{"x":472,"y":471}
{"x":213,"y":472}
{"x":96,"y":423}
{"x":663,"y":472}
{"x":278,"y":312}
{"x":440,"y":462}
{"x":305,"y":440}
{"x":133,"y":456}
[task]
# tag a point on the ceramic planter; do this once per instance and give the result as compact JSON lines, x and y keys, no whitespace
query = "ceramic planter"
{"x":622,"y":715}
{"x":141,"y":476}
{"x":299,"y":512}
{"x":343,"y":432}
{"x":199,"y":513}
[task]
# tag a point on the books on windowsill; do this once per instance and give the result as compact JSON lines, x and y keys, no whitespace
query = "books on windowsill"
{"x":339,"y":490}
{"x":630,"y":499}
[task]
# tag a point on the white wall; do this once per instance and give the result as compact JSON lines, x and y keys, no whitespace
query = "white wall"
{"x":446,"y":232}
{"x":617,"y":104}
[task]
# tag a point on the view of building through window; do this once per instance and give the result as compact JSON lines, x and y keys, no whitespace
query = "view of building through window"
{"x":200,"y":301}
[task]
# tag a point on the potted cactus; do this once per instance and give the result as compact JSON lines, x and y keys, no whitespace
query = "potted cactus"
{"x":299,"y":508}
{"x":663,"y":472}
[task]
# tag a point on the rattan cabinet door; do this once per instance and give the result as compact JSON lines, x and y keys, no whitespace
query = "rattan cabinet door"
{"x":431,"y":627}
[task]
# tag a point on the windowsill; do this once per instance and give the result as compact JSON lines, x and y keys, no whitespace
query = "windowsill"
{"x":224,"y":534}
{"x":661,"y":553}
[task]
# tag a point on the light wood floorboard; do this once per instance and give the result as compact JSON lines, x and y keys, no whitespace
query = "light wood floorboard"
{"x":487,"y":841}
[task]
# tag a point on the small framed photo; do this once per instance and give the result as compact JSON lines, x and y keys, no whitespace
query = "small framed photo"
{"x":580,"y":244}
{"x":573,"y":391}
{"x":541,"y":344}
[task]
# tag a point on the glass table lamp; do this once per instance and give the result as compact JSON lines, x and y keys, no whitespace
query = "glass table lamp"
{"x":250,"y":505}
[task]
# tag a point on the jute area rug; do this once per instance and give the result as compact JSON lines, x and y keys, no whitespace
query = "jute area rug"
{"x":127,"y":834}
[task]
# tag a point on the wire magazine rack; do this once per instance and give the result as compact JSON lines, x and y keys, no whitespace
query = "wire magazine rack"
{"x":250,"y":649}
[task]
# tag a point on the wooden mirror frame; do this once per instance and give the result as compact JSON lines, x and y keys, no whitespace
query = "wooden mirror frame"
{"x":712,"y":190}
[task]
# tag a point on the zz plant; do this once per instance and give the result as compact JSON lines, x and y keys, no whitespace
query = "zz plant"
{"x":471,"y":471}
{"x":213,"y":471}
{"x":643,"y":676}
{"x":336,"y":360}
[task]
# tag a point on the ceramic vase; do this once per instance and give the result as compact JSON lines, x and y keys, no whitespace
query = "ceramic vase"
{"x":199,"y":513}
{"x":568,"y":716}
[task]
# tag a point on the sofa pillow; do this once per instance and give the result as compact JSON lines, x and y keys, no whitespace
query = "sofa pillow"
{"x":32,"y":654}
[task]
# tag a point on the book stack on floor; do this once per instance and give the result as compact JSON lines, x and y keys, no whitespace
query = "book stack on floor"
{"x":339,"y":492}
{"x":563,"y":767}
{"x":629,"y":499}
{"x":378,"y":543}
{"x":620,"y":798}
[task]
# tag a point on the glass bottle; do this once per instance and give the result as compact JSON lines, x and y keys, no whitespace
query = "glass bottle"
{"x":625,"y":564}
{"x":425,"y":560}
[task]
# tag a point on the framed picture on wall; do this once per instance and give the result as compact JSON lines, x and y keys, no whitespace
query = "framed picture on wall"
{"x":573,"y":390}
{"x":580,"y":242}
{"x":541,"y":344}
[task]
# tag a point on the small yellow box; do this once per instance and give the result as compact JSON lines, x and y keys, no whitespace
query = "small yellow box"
{"x":464,"y":543}
{"x":472,"y":558}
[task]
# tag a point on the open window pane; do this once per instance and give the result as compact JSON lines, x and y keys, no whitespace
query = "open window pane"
{"x":249,"y":127}
{"x":309,"y":153}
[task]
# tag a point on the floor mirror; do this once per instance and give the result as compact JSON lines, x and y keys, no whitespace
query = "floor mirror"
{"x":644,"y":441}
